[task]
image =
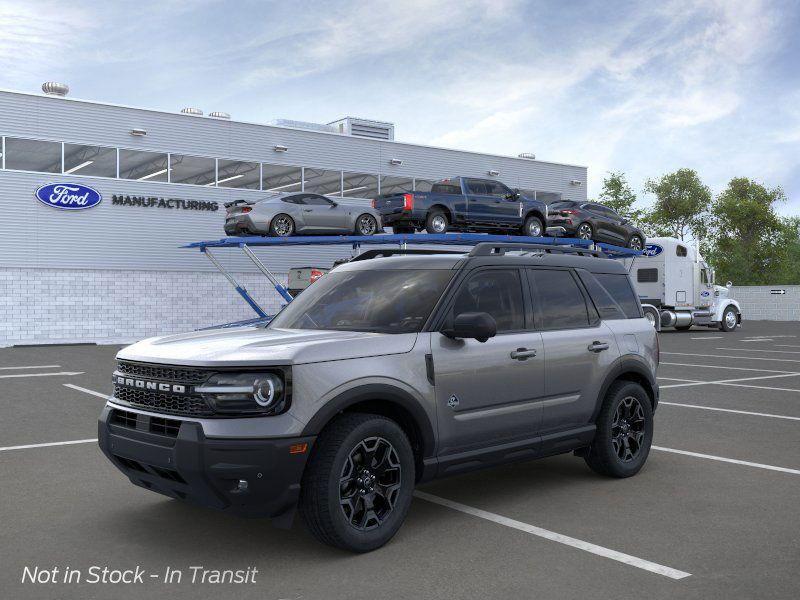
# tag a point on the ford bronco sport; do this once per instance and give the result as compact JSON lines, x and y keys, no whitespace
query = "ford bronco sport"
{"x":386,"y":373}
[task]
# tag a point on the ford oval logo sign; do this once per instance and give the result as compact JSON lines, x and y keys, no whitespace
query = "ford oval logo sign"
{"x":652,"y":250}
{"x":68,"y":196}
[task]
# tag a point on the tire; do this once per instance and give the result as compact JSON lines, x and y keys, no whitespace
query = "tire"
{"x":603,"y":456}
{"x":636,"y":242}
{"x":282,"y":225}
{"x":338,"y":452}
{"x":533,"y":227}
{"x":729,"y":320}
{"x":585,"y":231}
{"x":366,"y":224}
{"x":437,"y":222}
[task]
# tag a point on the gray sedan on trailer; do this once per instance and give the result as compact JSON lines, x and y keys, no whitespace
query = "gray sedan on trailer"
{"x":301,"y":213}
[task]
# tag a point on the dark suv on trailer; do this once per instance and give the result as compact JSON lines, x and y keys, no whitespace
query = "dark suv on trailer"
{"x":386,"y":373}
{"x":593,"y":221}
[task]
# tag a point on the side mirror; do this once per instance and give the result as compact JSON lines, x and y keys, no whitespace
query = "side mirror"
{"x":472,"y":325}
{"x":334,"y":204}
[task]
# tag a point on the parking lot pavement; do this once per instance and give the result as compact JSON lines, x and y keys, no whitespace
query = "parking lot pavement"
{"x":720,"y":522}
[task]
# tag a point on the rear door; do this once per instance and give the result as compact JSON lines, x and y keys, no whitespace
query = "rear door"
{"x":578,"y":347}
{"x":489,"y":393}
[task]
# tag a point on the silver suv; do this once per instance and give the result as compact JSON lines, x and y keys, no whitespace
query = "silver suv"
{"x":388,"y":372}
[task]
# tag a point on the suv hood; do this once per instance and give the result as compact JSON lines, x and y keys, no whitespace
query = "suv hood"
{"x":256,"y":346}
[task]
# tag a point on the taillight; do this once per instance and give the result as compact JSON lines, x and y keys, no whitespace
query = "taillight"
{"x":569,"y":212}
{"x":408,"y":201}
{"x":246,"y":209}
{"x":315,"y":274}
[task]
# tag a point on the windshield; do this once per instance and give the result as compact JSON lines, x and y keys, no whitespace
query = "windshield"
{"x":378,"y":301}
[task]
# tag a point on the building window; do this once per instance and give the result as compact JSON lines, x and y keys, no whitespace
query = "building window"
{"x":360,"y":185}
{"x":237,"y":174}
{"x":33,"y":155}
{"x":396,"y":185}
{"x":144,"y":166}
{"x":423,"y":185}
{"x":320,"y":181}
{"x":280,"y":178}
{"x":90,"y":160}
{"x":194,"y":170}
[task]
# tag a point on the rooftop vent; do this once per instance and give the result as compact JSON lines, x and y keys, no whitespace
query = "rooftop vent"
{"x":192,"y":111}
{"x":376,"y":130}
{"x":303,"y":125}
{"x":219,"y":115}
{"x":527,"y":155}
{"x":52,"y":88}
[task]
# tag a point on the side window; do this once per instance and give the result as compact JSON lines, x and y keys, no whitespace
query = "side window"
{"x":315,"y":200}
{"x":647,"y":275}
{"x":476,"y":186}
{"x":681,"y":251}
{"x":561,"y":303}
{"x":619,"y":289}
{"x":497,"y":292}
{"x":495,"y":188}
{"x":299,"y":199}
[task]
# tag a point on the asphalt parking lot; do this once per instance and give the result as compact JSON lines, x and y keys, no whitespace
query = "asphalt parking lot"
{"x":714,"y":513}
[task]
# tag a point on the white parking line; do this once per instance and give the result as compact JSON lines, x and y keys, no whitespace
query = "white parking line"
{"x":727,"y":460}
{"x":31,"y":367}
{"x":69,"y":443}
{"x":728,"y":381}
{"x":557,"y":537}
{"x":759,"y":350}
{"x":730,"y":410}
{"x":84,"y":390}
{"x":787,"y":346}
{"x":758,"y":340}
{"x":738,"y":357}
{"x":708,"y":337}
{"x":761,"y":387}
{"x":672,"y":364}
{"x":41,"y":374}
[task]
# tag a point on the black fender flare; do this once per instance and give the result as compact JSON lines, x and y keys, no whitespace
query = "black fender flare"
{"x":379,"y":392}
{"x":628,"y":364}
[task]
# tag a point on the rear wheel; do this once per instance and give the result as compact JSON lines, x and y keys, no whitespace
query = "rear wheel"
{"x":533,"y":227}
{"x":585,"y":231}
{"x":366,"y":224}
{"x":281,"y":226}
{"x":624,"y":431}
{"x":436,"y":222}
{"x":357,"y":487}
{"x":729,"y":320}
{"x":635,"y":243}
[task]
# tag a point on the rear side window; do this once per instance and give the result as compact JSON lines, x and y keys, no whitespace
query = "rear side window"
{"x":681,"y":251}
{"x":446,"y":186}
{"x":476,"y":186}
{"x":497,"y":292}
{"x":647,"y":275}
{"x":619,"y":288}
{"x":560,"y":301}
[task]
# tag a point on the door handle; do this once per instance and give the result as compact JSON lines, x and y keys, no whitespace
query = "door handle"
{"x":597,"y":346}
{"x":523,"y":354}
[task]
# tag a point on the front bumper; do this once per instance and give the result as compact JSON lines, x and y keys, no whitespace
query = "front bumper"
{"x":174,"y":457}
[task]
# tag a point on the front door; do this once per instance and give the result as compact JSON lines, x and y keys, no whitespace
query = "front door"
{"x":489,"y":393}
{"x":323,"y":214}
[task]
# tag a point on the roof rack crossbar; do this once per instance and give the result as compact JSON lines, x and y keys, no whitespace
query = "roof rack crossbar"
{"x":488,"y":248}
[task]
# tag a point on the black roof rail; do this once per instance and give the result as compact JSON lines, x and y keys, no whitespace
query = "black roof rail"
{"x":489,"y":248}
{"x":379,"y":252}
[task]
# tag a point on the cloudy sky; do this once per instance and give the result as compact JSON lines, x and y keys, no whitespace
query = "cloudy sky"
{"x":641,"y":87}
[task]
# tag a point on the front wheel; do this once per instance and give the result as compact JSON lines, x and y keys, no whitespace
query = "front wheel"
{"x":729,"y":320}
{"x":533,"y":227}
{"x":635,"y":243}
{"x":624,"y":431}
{"x":585,"y":231}
{"x":357,"y":487}
{"x":366,"y":224}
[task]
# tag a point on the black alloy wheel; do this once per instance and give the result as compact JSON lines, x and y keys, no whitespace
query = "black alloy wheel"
{"x":628,"y":429}
{"x":370,"y":483}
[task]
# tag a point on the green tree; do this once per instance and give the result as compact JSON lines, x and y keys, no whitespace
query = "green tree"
{"x":618,"y":195}
{"x":750,"y":243}
{"x":681,"y":206}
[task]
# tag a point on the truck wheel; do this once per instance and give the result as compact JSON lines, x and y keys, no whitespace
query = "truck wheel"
{"x":436,"y":222}
{"x":366,"y":225}
{"x":281,"y":226}
{"x":533,"y":227}
{"x":729,"y":321}
{"x":356,"y":489}
{"x":624,"y":431}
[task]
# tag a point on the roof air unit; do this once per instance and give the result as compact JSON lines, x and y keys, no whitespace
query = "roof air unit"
{"x":527,"y":155}
{"x":219,"y":115}
{"x":192,"y":111}
{"x":303,"y":125}
{"x":51,"y":88}
{"x":376,"y":130}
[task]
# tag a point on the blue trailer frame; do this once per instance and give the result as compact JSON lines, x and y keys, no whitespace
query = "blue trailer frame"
{"x":401,"y":240}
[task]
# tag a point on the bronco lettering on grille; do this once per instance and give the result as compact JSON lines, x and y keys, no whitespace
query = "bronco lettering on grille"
{"x":151,"y":385}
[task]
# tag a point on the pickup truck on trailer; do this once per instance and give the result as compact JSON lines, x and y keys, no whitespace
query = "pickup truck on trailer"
{"x":464,"y":204}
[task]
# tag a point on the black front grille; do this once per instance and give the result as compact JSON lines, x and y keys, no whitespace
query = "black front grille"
{"x":187,"y":375}
{"x":166,"y":402}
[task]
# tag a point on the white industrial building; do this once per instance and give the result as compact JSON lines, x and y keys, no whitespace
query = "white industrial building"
{"x":115,"y":272}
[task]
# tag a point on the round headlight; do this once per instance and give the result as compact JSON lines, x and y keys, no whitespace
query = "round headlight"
{"x":267,"y":390}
